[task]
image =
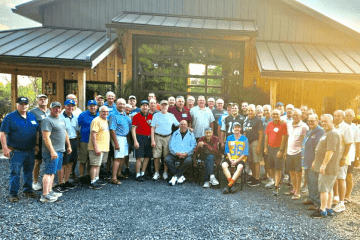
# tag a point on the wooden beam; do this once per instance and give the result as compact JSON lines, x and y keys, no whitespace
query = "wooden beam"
{"x":273,"y":88}
{"x":14,"y":91}
{"x":81,"y":89}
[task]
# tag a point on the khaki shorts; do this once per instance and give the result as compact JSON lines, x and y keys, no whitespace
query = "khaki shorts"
{"x":343,"y":172}
{"x":326,"y":183}
{"x":253,"y":157}
{"x":162,"y":146}
{"x":96,"y":160}
{"x":83,"y":153}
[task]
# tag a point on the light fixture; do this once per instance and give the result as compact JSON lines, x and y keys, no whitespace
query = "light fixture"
{"x":94,"y":70}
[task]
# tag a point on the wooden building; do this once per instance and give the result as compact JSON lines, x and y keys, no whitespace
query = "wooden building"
{"x":292,"y":52}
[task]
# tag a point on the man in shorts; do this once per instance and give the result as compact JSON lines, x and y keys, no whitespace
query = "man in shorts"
{"x":326,"y":163}
{"x":40,"y":112}
{"x":236,"y":150}
{"x":98,"y":145}
{"x":54,"y":139}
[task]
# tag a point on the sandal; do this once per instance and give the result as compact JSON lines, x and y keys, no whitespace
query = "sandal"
{"x":347,"y":200}
{"x":295,"y":197}
{"x":290,"y":192}
{"x":115,"y":182}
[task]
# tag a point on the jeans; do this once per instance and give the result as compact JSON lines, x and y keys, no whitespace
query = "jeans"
{"x":170,"y":162}
{"x":312,"y":182}
{"x":209,"y":166}
{"x":26,"y":160}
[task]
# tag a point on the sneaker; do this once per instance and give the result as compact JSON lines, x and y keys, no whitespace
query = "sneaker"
{"x":156,"y":176}
{"x":101,"y":182}
{"x":276,"y":191}
{"x":250,"y":179}
{"x":95,"y":186}
{"x":206,"y":184}
{"x":286,"y":179}
{"x":36,"y":186}
{"x":173,"y":181}
{"x":31,"y":195}
{"x":69,"y":185}
{"x":330,"y":212}
{"x":307,"y":202}
{"x":233,"y":189}
{"x":56,"y":194}
{"x":254,"y":183}
{"x":165,"y":176}
{"x":319,"y":214}
{"x":181,"y":180}
{"x":340,"y":207}
{"x":214,"y":181}
{"x":48,"y":198}
{"x":74,"y":177}
{"x":54,"y":184}
{"x":226,"y":190}
{"x":61,"y":188}
{"x":14,"y":198}
{"x":140,"y":179}
{"x":304,"y":189}
{"x":270,"y":184}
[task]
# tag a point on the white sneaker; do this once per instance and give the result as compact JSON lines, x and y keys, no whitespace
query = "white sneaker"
{"x":340,"y":207}
{"x":55,"y":194}
{"x":173,"y":181}
{"x":165,"y":175}
{"x":206,"y":184}
{"x":156,"y":176}
{"x":48,"y":198}
{"x":270,"y":184}
{"x":36,"y":186}
{"x":213,"y":181}
{"x":181,"y":179}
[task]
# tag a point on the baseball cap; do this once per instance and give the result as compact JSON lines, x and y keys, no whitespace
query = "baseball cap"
{"x":22,"y":100}
{"x":279,"y":104}
{"x":55,"y":104}
{"x":99,"y":96}
{"x":132,"y":96}
{"x":208,"y":129}
{"x":42,"y":95}
{"x":236,"y":124}
{"x":69,"y":101}
{"x":144,"y":102}
{"x":91,"y":102}
{"x":229,"y":104}
{"x":164,"y":101}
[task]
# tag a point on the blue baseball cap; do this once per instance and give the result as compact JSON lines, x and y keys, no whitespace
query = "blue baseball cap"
{"x":91,"y":102}
{"x":236,"y":124}
{"x":144,"y":102}
{"x":69,"y":101}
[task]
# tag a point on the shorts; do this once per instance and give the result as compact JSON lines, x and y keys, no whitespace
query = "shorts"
{"x":228,"y":162}
{"x":38,"y":156}
{"x":162,"y":146}
{"x":253,"y":157}
{"x":351,"y":168}
{"x":83,"y":153}
{"x":96,"y":160}
{"x":274,"y":162}
{"x":124,"y":148}
{"x":326,"y":183}
{"x":293,"y":162}
{"x":144,"y":150}
{"x":52,"y":165}
{"x":343,"y":172}
{"x":72,"y":157}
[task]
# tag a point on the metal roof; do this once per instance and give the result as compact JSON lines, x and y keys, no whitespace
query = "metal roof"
{"x":53,"y":45}
{"x":275,"y":58}
{"x":185,"y":23}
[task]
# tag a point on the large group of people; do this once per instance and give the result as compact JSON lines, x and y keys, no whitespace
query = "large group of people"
{"x":297,"y":147}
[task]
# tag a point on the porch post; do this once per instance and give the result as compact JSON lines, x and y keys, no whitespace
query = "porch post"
{"x":14,"y":91}
{"x":81,"y":89}
{"x":273,"y":88}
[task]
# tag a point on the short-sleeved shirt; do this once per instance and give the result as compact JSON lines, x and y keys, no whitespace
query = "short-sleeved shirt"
{"x":20,"y":131}
{"x":237,"y":147}
{"x":252,"y":127}
{"x":180,"y":115}
{"x":356,"y":135}
{"x":266,"y":121}
{"x":330,"y":141}
{"x":217,"y":114}
{"x":296,"y":135}
{"x":275,"y":133}
{"x":135,"y":111}
{"x":228,"y":123}
{"x":111,"y":108}
{"x":163,"y":123}
{"x":57,"y":129}
{"x":201,"y":120}
{"x":221,"y":119}
{"x":40,"y":114}
{"x":286,"y":119}
{"x":84,"y":122}
{"x":142,"y":123}
{"x":347,"y":137}
{"x":71,"y":124}
{"x":120,"y":123}
{"x":101,"y":127}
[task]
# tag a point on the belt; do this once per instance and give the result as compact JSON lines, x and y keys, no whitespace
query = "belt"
{"x":162,"y":135}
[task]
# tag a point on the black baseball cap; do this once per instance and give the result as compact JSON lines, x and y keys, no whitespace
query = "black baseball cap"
{"x":22,"y":100}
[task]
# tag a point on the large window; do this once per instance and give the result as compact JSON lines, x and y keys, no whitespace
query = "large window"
{"x":92,"y":88}
{"x":182,"y":66}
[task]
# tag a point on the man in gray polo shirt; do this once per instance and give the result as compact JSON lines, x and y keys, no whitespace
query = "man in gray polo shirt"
{"x":202,"y":118}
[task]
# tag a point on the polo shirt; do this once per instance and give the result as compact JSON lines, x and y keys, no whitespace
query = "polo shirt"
{"x":84,"y":123}
{"x":275,"y":133}
{"x":296,"y":135}
{"x":111,"y":109}
{"x":101,"y":127}
{"x":356,"y":134}
{"x":135,"y":111}
{"x":347,"y":137}
{"x":40,"y":114}
{"x":20,"y":132}
{"x":180,"y":115}
{"x":201,"y":120}
{"x":310,"y":142}
{"x":142,"y":123}
{"x":71,"y":124}
{"x":286,"y":119}
{"x":76,"y":112}
{"x":252,"y":127}
{"x":237,"y":147}
{"x":120,"y":123}
{"x":163,"y":123}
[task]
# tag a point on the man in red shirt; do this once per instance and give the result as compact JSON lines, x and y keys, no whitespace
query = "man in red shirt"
{"x":141,"y":132}
{"x":275,"y":140}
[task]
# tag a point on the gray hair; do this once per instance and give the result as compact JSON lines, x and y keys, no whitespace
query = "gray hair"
{"x":290,"y":106}
{"x":252,"y":106}
{"x":351,"y":111}
{"x":259,"y":108}
{"x":314,"y":115}
{"x":70,"y":95}
{"x":201,"y":96}
{"x":219,"y":101}
{"x":128,"y":106}
{"x":267,"y":106}
{"x":328,"y":116}
{"x":211,"y":99}
{"x":121,"y":100}
{"x":110,"y":93}
{"x":103,"y":107}
{"x":298,"y":111}
{"x":340,"y":111}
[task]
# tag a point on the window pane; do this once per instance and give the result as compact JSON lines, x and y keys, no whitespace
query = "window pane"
{"x":180,"y":84}
{"x":154,"y":65}
{"x":155,"y":49}
{"x":156,"y":83}
{"x":197,"y":89}
{"x":197,"y":81}
{"x":214,"y":90}
{"x":214,"y":82}
{"x":214,"y":70}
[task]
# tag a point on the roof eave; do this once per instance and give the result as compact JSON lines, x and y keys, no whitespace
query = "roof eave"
{"x":45,"y":62}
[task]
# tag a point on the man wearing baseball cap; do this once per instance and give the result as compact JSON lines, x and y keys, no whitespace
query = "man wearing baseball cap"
{"x":19,"y":140}
{"x":100,"y":100}
{"x":132,"y":102}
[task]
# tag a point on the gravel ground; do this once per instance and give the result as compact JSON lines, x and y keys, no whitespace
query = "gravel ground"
{"x":154,"y":210}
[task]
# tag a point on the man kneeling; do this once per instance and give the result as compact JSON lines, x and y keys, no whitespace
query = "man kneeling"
{"x":236,"y":149}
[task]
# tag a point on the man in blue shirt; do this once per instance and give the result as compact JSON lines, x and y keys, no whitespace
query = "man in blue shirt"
{"x":84,"y":123}
{"x":110,"y":102}
{"x":19,"y":139}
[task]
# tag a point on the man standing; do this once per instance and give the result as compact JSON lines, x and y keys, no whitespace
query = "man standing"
{"x":152,"y":96}
{"x":244,"y":107}
{"x":40,"y":113}
{"x":110,"y":103}
{"x":179,"y":111}
{"x":100,"y":100}
{"x":153,"y":106}
{"x":218,"y":112}
{"x":120,"y":125}
{"x":54,"y":139}
{"x":280,"y":107}
{"x":288,"y":117}
{"x":229,"y":121}
{"x":98,"y":145}
{"x":326,"y":163}
{"x":190,"y":101}
{"x":77,"y":110}
{"x":132,"y":102}
{"x":211,"y":103}
{"x":182,"y":146}
{"x":202,"y":118}
{"x":171,"y":101}
{"x":266,"y":119}
{"x":304,"y":115}
{"x":141,"y":132}
{"x":253,"y":130}
{"x":161,"y":127}
{"x":19,"y":138}
{"x":221,"y":120}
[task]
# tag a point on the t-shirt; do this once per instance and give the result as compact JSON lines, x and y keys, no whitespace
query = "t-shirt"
{"x":237,"y":147}
{"x":296,"y":135}
{"x":39,"y":114}
{"x":356,"y":135}
{"x":180,"y":115}
{"x":252,"y":127}
{"x":229,"y":122}
{"x":142,"y":123}
{"x":347,"y":137}
{"x":330,"y":141}
{"x":275,"y":133}
{"x":101,"y":127}
{"x":111,"y":109}
{"x":163,"y":123}
{"x":84,"y":122}
{"x":222,"y":119}
{"x":120,"y":123}
{"x":217,"y":114}
{"x":201,"y":120}
{"x":57,"y":129}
